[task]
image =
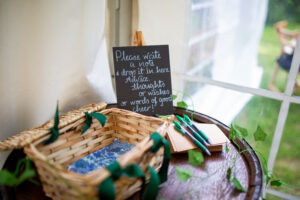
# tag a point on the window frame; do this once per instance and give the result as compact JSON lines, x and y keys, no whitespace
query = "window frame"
{"x":285,"y":97}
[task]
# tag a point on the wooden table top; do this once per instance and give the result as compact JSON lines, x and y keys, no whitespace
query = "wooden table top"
{"x":211,"y":181}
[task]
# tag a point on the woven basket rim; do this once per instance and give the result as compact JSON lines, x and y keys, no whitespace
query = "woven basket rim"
{"x":28,"y":136}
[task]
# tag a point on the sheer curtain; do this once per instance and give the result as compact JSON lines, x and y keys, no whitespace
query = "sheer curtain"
{"x":50,"y":50}
{"x":211,"y":39}
{"x":238,"y":26}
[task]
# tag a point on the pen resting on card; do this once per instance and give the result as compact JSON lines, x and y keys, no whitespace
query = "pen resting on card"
{"x":189,"y":122}
{"x":196,"y":142}
{"x":196,"y":135}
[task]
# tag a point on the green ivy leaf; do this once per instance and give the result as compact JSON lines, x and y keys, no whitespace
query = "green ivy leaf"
{"x":226,"y":148}
{"x":7,"y":178}
{"x":241,"y":131}
{"x":234,"y":133}
{"x":259,"y":134}
{"x":27,"y":174}
{"x":237,"y":184}
{"x":229,"y":173}
{"x":276,"y":183}
{"x":34,"y":181}
{"x":174,"y":97}
{"x":268,"y":175}
{"x":183,"y":174}
{"x":10,"y":179}
{"x":195,"y":158}
{"x":182,"y":104}
{"x":279,"y":182}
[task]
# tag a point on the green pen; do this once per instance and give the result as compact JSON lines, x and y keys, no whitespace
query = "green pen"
{"x":196,"y":135}
{"x":189,"y":122}
{"x":196,"y":142}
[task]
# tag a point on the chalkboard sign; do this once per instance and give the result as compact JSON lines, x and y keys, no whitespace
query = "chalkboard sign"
{"x":143,"y":80}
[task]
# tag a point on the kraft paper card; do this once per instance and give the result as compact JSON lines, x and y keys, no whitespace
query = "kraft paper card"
{"x":180,"y":143}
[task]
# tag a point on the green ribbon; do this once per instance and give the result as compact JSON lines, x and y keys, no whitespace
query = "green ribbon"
{"x":88,"y":120}
{"x":107,"y":189}
{"x":153,"y":185}
{"x":158,"y":142}
{"x":54,"y":130}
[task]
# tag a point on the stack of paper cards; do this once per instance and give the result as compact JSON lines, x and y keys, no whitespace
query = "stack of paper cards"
{"x":180,"y":143}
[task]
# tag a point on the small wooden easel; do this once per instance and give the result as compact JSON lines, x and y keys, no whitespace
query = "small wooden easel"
{"x":138,"y":39}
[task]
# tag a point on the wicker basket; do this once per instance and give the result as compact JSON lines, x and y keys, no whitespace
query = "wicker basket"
{"x":51,"y":160}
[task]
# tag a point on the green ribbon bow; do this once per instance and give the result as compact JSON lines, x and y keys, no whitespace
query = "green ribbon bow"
{"x":54,"y":130}
{"x":107,"y":189}
{"x":158,"y":142}
{"x":89,"y":116}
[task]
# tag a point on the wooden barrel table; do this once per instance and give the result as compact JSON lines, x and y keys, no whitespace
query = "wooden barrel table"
{"x":210,"y":181}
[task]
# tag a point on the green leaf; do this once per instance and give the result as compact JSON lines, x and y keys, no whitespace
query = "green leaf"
{"x":182,"y":104}
{"x":229,"y":173}
{"x":259,"y":134}
{"x":279,"y":182}
{"x":268,"y":175}
{"x":276,"y":183}
{"x":18,"y":167}
{"x":237,"y":184}
{"x":183,"y":174}
{"x":195,"y":158}
{"x":233,"y":134}
{"x":237,"y":132}
{"x":242,"y":131}
{"x":226,"y":148}
{"x":174,"y":97}
{"x":34,"y":181}
{"x":27,"y":174}
{"x":11,"y":179}
{"x":7,"y":178}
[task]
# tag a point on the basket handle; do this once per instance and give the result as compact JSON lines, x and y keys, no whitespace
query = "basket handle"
{"x":158,"y":142}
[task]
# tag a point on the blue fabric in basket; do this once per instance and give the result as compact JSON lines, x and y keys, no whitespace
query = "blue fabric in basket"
{"x":100,"y":158}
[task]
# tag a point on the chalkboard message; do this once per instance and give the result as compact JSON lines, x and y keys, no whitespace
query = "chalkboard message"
{"x":143,"y":79}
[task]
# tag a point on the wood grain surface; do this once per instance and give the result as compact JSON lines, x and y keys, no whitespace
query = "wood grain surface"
{"x":211,"y":181}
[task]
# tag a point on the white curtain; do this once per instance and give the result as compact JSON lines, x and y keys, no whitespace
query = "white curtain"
{"x":49,"y":51}
{"x":236,"y":32}
{"x":240,"y":24}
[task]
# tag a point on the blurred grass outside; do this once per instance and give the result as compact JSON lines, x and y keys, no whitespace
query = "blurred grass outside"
{"x":264,"y":112}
